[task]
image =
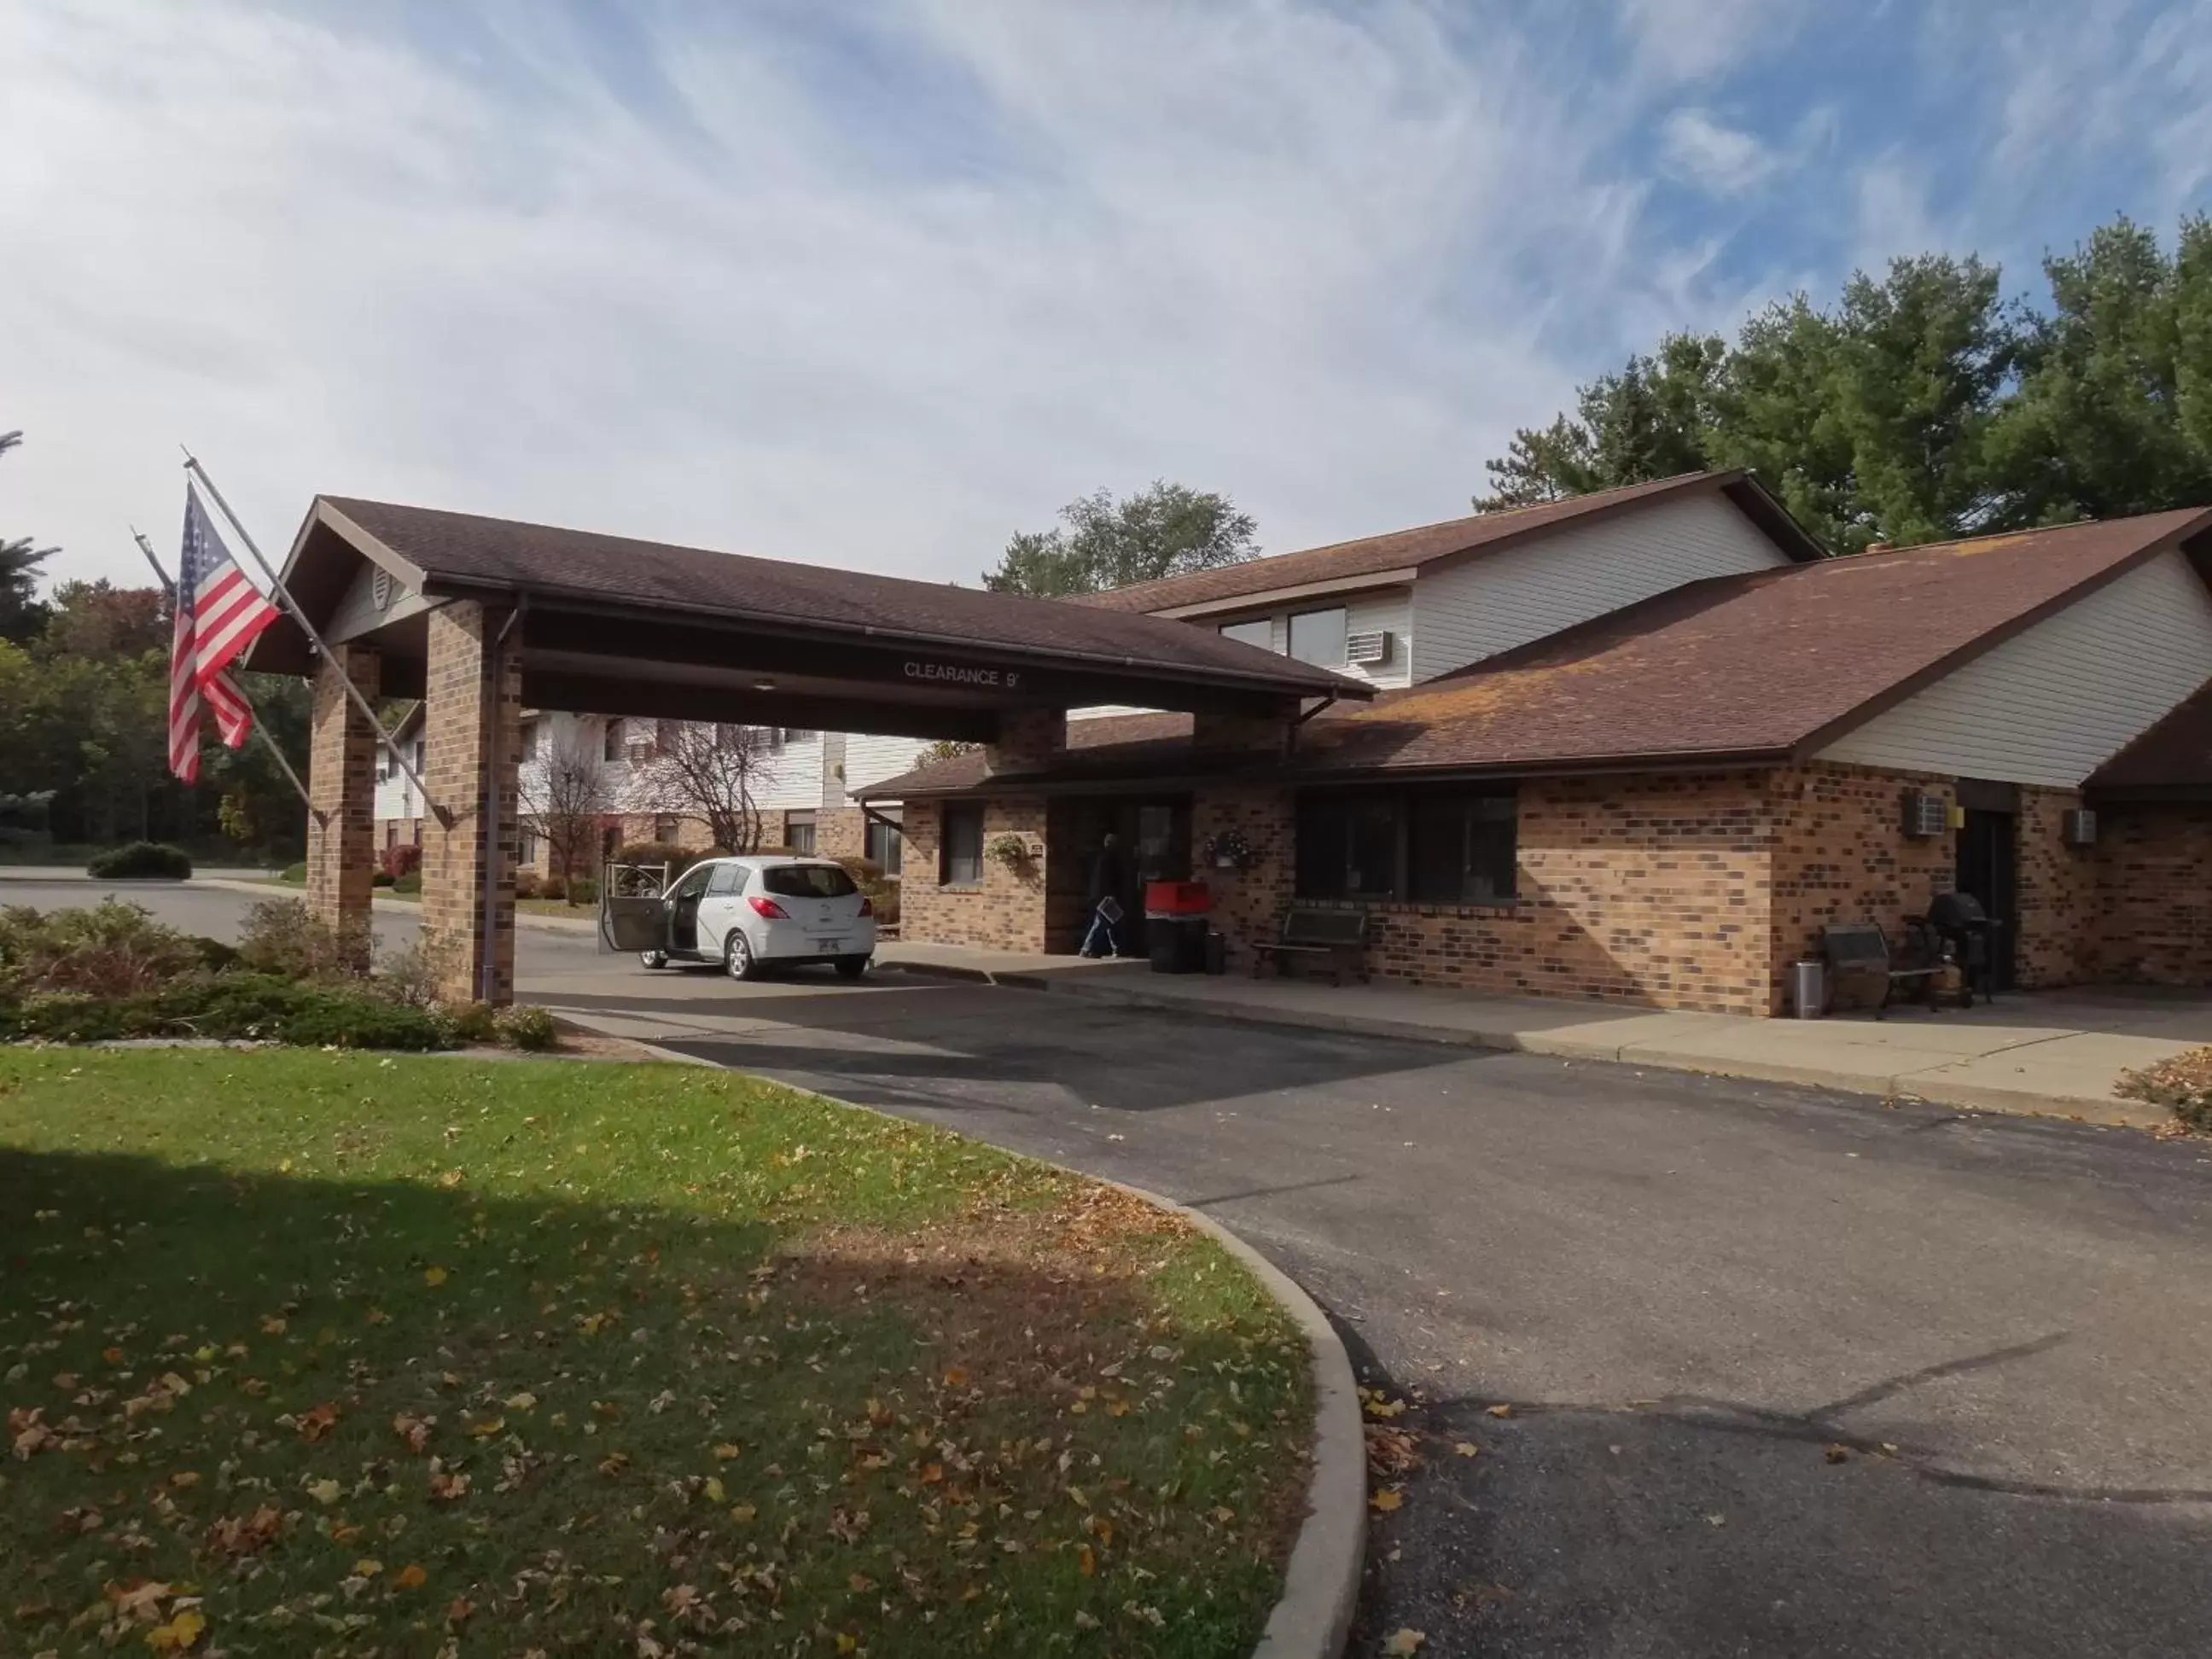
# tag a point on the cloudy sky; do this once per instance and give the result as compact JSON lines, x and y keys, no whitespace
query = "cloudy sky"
{"x":878,"y":283}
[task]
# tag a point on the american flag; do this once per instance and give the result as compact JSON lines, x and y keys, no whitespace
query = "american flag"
{"x":219,"y":612}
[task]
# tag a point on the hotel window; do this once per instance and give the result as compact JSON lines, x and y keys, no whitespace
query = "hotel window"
{"x":1259,"y":631}
{"x":1441,"y":844}
{"x":798,"y":832}
{"x":960,"y":854}
{"x":882,"y":846}
{"x":1317,"y":637}
{"x":665,"y":830}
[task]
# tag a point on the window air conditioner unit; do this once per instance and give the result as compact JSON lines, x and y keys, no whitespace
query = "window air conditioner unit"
{"x":640,"y":750}
{"x":1926,"y":815}
{"x":1369,"y":648}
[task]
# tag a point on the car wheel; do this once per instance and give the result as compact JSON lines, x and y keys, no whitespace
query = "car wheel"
{"x":653,"y":959}
{"x":738,"y":956}
{"x":851,"y":967}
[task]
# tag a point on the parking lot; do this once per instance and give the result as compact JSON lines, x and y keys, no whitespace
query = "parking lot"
{"x":1786,"y":1373}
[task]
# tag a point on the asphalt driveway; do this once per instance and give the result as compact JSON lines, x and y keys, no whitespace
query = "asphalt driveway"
{"x":1691,"y":1294}
{"x":1688,"y":1292}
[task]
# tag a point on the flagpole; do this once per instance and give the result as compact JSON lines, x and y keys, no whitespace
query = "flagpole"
{"x":260,"y":731}
{"x":284,"y":596}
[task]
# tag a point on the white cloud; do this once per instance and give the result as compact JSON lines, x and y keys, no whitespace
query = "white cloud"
{"x":1307,"y":261}
{"x":1890,"y":215}
{"x":1685,"y":41}
{"x":1698,"y":150}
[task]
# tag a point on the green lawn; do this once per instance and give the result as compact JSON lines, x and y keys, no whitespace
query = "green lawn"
{"x":345,"y":1355}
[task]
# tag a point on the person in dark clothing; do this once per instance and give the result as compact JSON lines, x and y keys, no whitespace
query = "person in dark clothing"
{"x":1110,"y":879}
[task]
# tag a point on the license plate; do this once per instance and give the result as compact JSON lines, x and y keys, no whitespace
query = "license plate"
{"x":827,"y":944}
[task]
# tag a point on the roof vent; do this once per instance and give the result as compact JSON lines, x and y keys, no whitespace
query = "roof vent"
{"x":1368,"y":649}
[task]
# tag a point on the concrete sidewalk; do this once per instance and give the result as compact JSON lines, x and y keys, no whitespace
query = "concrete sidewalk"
{"x":2050,"y":1052}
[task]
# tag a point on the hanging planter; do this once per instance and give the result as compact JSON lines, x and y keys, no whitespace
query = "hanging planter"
{"x":1016,"y":853}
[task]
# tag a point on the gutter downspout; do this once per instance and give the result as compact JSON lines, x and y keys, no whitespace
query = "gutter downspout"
{"x":487,"y":976}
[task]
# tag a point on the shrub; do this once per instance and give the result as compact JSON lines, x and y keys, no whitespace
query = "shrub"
{"x":409,"y":884}
{"x":526,"y":1028}
{"x":677,"y":859}
{"x":404,"y":859}
{"x":111,"y":949}
{"x":142,"y":861}
{"x":232,"y":1006}
{"x":525,"y":883}
{"x":553,"y":888}
{"x":283,"y":937}
{"x":468,"y":1022}
{"x":2182,"y":1084}
{"x":381,"y":879}
{"x":862,"y":871}
{"x":413,"y":975}
{"x":214,"y":955}
{"x":583,"y":890}
{"x":295,"y":873}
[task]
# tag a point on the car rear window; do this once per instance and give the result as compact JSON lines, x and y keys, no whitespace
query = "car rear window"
{"x":807,"y":881}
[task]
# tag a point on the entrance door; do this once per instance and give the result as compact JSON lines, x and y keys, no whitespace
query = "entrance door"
{"x":1989,"y":868}
{"x":1157,"y":835}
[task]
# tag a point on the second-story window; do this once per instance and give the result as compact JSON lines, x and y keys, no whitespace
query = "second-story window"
{"x":1317,"y":637}
{"x":612,"y":748}
{"x":1259,"y":631}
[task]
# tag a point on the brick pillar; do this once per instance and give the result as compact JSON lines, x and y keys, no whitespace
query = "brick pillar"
{"x":342,"y":788}
{"x":1028,"y":738}
{"x":472,"y":738}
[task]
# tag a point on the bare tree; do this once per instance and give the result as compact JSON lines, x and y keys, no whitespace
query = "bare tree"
{"x":714,"y":773}
{"x":566,"y":794}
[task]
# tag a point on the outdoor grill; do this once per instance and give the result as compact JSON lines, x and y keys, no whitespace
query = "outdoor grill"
{"x":1960,"y":920}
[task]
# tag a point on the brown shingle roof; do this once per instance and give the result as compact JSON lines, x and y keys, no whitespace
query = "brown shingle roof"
{"x":2172,"y":761}
{"x":1400,"y":550}
{"x":1733,"y":668}
{"x":464,"y":552}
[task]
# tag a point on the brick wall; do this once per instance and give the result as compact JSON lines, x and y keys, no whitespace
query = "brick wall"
{"x":1006,"y":910}
{"x":471,"y":715}
{"x":1841,"y":854}
{"x":2151,"y":887}
{"x":841,"y":832}
{"x":341,"y":841}
{"x":1027,"y":737}
{"x":2058,"y":899}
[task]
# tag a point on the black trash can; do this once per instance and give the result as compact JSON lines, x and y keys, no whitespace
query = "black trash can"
{"x":1178,"y":944}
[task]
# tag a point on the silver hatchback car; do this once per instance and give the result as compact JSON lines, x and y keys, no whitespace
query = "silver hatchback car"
{"x":770,"y":910}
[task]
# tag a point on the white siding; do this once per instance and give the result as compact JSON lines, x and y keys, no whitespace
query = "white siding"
{"x":2051,"y":705}
{"x":356,"y":613}
{"x":791,"y":777}
{"x":871,"y":760}
{"x":1382,"y":609}
{"x":1496,"y":601}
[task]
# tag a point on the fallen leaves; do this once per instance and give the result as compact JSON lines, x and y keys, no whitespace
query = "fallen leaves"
{"x":433,"y":1277}
{"x":1391,"y":1451}
{"x":180,"y":1633}
{"x":324,"y":1491}
{"x":1387,"y":1499}
{"x":316,"y":1424}
{"x":1838,"y":1453}
{"x":1468,"y":1448}
{"x":1404,"y":1641}
{"x":410,"y":1577}
{"x":244,"y":1535}
{"x":447,"y":1486}
{"x":414,"y":1430}
{"x":1500,"y":1410}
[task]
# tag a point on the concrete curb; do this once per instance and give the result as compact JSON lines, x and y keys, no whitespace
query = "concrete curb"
{"x":1925,"y":1083}
{"x":1320,"y":1582}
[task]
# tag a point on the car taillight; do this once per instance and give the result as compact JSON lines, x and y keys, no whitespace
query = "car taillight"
{"x":867,"y":906}
{"x":767,"y":907}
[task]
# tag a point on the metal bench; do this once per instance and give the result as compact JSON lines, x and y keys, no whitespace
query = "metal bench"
{"x":1865,"y":972}
{"x":1311,"y":931}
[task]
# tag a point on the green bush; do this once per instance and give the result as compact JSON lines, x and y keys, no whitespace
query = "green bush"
{"x":381,"y":878}
{"x":142,"y":861}
{"x":283,"y":937}
{"x":214,"y":955}
{"x":583,"y":890}
{"x":245,"y":1007}
{"x":526,"y":1028}
{"x":295,"y":873}
{"x":408,"y":884}
{"x":111,"y":950}
{"x":468,"y":1022}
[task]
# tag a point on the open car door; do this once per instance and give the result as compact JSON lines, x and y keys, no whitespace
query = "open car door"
{"x":633,"y":913}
